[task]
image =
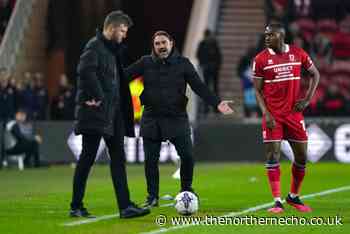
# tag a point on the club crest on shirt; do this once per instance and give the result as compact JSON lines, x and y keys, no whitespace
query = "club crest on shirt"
{"x":269,"y":62}
{"x":291,"y":57}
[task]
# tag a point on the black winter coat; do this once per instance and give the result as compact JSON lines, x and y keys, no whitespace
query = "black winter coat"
{"x":164,"y":94}
{"x":100,"y":77}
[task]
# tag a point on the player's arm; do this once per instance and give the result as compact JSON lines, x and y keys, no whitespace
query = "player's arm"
{"x":300,"y":105}
{"x":258,"y":86}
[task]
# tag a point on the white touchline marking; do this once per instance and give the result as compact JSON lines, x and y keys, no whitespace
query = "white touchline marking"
{"x":251,"y":209}
{"x":97,"y":219}
{"x":93,"y":220}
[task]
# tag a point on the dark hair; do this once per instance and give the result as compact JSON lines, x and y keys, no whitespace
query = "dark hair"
{"x":278,"y":27}
{"x":162,"y":33}
{"x":22,"y":110}
{"x":117,"y":18}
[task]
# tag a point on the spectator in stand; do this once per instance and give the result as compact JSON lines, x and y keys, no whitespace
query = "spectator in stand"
{"x":40,"y":96}
{"x":321,"y":50}
{"x":27,"y":95}
{"x":20,"y":93}
{"x":209,"y":56}
{"x":300,"y":41}
{"x":299,"y":18}
{"x":333,"y":103}
{"x":62,"y":107}
{"x":7,"y":97}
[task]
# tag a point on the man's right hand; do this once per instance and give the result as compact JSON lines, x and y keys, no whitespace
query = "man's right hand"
{"x":93,"y":103}
{"x":270,"y":121}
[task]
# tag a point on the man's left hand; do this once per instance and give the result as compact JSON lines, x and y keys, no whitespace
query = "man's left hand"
{"x":300,"y":105}
{"x":224,"y":107}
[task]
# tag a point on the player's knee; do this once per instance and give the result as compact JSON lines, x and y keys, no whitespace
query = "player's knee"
{"x":272,"y":155}
{"x":300,"y":160}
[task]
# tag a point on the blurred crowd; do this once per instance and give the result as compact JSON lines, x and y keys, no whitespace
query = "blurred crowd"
{"x":322,"y":29}
{"x":6,"y":8}
{"x":30,"y":94}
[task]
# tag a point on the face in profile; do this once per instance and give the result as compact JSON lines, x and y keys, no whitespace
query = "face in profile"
{"x":162,"y":46}
{"x":272,"y":38}
{"x":119,"y":33}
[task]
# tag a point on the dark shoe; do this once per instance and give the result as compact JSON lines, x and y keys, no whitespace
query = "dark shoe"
{"x":151,"y":202}
{"x":298,"y":204}
{"x":190,"y":190}
{"x":82,"y":212}
{"x":133,"y":211}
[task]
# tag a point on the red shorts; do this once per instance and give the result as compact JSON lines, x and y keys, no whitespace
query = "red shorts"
{"x":291,"y":128}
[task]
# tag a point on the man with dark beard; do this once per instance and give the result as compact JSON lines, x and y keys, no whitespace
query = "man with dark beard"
{"x":166,"y":74}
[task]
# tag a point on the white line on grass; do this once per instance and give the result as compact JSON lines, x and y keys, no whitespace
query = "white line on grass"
{"x":252,"y":209}
{"x":104,"y":217}
{"x":97,"y":219}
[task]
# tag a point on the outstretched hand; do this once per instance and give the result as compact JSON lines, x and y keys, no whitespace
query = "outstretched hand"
{"x":224,"y":107}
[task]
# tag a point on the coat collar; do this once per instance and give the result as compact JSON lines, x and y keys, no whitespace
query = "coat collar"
{"x":113,"y":46}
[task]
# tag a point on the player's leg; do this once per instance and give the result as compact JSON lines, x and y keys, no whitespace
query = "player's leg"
{"x":82,"y":170}
{"x":297,"y":138}
{"x":298,"y":173}
{"x":272,"y":151}
{"x":272,"y":143}
{"x":152,"y":154}
{"x":115,"y":144}
{"x":183,"y":146}
{"x":116,"y":152}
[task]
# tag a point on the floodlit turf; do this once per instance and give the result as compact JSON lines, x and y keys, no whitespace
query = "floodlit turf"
{"x":37,"y":201}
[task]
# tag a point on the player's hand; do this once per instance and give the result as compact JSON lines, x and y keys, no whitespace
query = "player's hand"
{"x":270,"y":121}
{"x":224,"y":107}
{"x":300,"y":105}
{"x":93,"y":103}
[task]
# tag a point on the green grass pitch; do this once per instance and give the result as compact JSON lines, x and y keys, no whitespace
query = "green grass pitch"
{"x":37,"y":201}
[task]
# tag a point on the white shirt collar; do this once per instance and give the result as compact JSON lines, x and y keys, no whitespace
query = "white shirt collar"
{"x":273,"y":52}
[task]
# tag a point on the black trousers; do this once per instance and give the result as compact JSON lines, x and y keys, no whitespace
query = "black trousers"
{"x":29,"y":148}
{"x":115,"y":147}
{"x":183,"y":146}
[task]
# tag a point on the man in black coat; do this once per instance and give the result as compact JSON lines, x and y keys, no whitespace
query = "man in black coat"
{"x":166,"y":74}
{"x":103,"y":110}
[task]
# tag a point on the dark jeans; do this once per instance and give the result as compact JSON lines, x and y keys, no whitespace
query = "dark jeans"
{"x":183,"y":145}
{"x":115,"y":146}
{"x":29,"y":148}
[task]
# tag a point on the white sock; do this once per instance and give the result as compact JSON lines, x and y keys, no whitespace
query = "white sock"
{"x":293,"y":195}
{"x":277,"y":199}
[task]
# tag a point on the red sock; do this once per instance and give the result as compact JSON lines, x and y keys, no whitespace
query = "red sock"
{"x":298,"y":173}
{"x":274,"y":174}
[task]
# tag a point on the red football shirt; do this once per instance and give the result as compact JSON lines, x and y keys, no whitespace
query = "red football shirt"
{"x":281,"y":74}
